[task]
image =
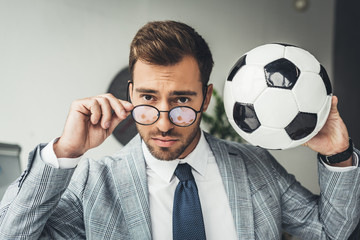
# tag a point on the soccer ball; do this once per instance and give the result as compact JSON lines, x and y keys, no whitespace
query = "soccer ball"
{"x":277,"y":96}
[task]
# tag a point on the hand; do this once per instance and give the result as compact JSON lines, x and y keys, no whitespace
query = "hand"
{"x":89,"y":123}
{"x":333,"y":137}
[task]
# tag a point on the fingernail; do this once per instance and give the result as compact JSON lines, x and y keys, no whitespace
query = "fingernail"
{"x":107,"y":124}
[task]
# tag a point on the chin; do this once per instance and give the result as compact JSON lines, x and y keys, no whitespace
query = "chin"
{"x":165,"y":154}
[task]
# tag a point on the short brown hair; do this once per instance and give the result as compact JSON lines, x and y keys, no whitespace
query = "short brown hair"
{"x":166,"y":43}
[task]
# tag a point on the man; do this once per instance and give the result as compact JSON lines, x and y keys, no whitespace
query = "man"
{"x":244,"y":193}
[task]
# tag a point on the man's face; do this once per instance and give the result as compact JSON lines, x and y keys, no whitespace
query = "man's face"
{"x":165,"y":87}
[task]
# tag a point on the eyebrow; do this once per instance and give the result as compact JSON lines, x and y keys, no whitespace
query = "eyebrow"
{"x":173,"y":93}
{"x":145,"y":90}
{"x":185,"y":92}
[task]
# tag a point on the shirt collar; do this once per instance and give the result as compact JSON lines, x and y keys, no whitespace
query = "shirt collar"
{"x":197,"y":159}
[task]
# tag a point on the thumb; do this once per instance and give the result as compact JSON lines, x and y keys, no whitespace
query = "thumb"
{"x":115,"y":121}
{"x":334,"y":109}
{"x":334,"y":103}
{"x":128,"y":106}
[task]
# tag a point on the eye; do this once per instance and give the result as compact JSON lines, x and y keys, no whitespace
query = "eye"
{"x":183,"y":100}
{"x":147,"y":97}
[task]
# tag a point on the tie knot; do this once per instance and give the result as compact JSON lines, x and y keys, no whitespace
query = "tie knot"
{"x":183,"y":172}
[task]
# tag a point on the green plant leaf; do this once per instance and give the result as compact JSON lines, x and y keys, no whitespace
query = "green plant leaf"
{"x":218,"y":124}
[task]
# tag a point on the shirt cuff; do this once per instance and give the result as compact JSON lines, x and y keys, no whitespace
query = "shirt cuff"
{"x":343,"y":169}
{"x":48,"y":156}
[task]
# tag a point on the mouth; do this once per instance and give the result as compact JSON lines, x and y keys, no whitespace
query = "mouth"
{"x":164,"y":142}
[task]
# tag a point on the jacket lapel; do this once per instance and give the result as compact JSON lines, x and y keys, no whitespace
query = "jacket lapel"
{"x":234,"y":176}
{"x":131,"y":184}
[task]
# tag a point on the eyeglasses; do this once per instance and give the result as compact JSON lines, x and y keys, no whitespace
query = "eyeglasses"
{"x":182,"y":116}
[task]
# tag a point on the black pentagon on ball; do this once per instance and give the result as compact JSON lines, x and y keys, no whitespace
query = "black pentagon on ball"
{"x":325,"y":77}
{"x":302,"y":125}
{"x":245,"y":117}
{"x":281,"y":73}
{"x":241,"y":62}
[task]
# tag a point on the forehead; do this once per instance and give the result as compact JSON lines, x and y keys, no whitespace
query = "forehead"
{"x":183,"y":76}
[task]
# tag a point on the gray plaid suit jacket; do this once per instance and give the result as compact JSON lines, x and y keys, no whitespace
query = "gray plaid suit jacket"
{"x":108,"y":199}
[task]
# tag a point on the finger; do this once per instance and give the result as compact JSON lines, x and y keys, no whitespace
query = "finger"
{"x":114,"y":122}
{"x":92,"y":106}
{"x":115,"y":106}
{"x":306,"y":144}
{"x":106,"y":112}
{"x":120,"y":107}
{"x":128,"y":106}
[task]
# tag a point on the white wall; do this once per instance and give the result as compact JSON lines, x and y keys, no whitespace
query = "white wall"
{"x":52,"y":52}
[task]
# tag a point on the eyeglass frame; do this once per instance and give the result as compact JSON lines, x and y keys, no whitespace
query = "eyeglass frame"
{"x":158,"y":115}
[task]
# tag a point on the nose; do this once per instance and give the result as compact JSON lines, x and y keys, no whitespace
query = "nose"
{"x":163,"y":123}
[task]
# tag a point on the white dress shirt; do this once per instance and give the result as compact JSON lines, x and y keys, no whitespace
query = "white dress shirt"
{"x":218,"y":220}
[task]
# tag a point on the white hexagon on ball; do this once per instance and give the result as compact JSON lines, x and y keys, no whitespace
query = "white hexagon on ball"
{"x":248,"y":84}
{"x":323,"y":114}
{"x":276,"y":107}
{"x":312,"y":86}
{"x":270,"y":138}
{"x":304,"y":60}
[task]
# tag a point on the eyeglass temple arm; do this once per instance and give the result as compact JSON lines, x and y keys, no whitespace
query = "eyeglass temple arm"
{"x":205,"y":93}
{"x":127,"y":91}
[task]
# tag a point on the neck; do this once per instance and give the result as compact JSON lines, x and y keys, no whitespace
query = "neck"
{"x":192,"y":145}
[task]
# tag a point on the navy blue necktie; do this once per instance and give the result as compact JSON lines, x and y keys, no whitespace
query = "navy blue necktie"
{"x":188,"y":221}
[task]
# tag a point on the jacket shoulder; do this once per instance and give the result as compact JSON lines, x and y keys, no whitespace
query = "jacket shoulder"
{"x":246,"y":152}
{"x":261,"y":167}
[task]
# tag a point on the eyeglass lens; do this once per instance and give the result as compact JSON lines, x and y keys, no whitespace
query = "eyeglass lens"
{"x":180,"y":116}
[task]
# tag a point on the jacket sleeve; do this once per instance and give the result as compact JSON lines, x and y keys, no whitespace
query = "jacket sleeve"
{"x":27,"y":210}
{"x":332,"y":215}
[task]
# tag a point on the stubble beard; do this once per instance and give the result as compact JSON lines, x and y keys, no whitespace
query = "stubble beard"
{"x":169,"y":154}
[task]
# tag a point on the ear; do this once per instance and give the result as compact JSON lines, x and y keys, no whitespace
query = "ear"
{"x":208,"y":96}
